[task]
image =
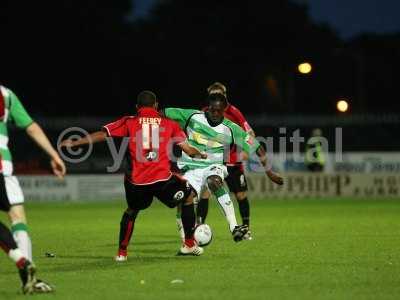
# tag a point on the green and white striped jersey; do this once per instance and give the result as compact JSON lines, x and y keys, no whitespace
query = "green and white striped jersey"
{"x":216,"y":141}
{"x":14,"y":112}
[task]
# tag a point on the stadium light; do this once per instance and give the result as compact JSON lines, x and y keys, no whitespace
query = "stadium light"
{"x":305,"y":68}
{"x":342,"y":106}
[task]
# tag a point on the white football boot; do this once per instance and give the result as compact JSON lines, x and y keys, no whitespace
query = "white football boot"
{"x":248,"y":236}
{"x":122,"y":256}
{"x":194,"y":251}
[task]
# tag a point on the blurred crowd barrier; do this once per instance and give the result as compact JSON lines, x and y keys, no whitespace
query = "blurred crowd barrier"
{"x":369,"y":143}
{"x":363,"y":161}
{"x":320,"y":185}
{"x":297,"y":185}
{"x":347,"y":162}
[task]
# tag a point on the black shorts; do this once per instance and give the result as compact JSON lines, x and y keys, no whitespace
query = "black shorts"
{"x":236,"y":179}
{"x":4,"y":202}
{"x":170,"y":192}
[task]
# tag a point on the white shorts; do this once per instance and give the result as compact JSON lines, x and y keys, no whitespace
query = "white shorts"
{"x":14,"y":192}
{"x":198,"y":177}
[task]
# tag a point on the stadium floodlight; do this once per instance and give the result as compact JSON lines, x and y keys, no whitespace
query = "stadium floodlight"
{"x":305,"y":68}
{"x":342,"y":106}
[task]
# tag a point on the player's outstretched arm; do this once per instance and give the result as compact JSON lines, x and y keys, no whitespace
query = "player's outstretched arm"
{"x":271,"y":175}
{"x":192,"y":151}
{"x":95,"y":137}
{"x":250,"y":145}
{"x":38,"y":135}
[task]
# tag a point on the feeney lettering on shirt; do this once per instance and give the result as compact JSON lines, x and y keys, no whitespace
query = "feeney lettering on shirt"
{"x":153,"y":121}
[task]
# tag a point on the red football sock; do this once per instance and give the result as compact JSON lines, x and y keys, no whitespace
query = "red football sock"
{"x":190,"y":242}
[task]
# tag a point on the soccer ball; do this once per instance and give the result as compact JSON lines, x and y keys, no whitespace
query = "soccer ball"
{"x":203,"y":235}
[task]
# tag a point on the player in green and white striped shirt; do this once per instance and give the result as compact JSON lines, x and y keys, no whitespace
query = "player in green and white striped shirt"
{"x":11,"y":197}
{"x":212,"y":133}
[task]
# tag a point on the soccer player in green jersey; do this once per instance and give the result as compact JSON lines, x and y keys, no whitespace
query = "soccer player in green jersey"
{"x":236,"y":180}
{"x":12,"y":198}
{"x":212,"y":133}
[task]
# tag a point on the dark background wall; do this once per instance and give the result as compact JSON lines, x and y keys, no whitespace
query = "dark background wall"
{"x":91,"y":58}
{"x":65,"y":57}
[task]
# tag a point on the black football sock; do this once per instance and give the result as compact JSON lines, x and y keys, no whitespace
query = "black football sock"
{"x":7,"y":242}
{"x":188,"y":220}
{"x":126,"y":228}
{"x":202,"y":210}
{"x":244,"y":208}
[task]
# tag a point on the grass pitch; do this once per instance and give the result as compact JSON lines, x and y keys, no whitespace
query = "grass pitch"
{"x":302,"y":249}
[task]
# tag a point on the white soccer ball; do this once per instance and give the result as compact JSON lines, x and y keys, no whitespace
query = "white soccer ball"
{"x":203,"y":235}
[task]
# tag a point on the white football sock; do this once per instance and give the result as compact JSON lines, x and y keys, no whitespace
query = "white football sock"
{"x":15,"y":255}
{"x":180,"y":227}
{"x":21,"y":236}
{"x":228,"y":209}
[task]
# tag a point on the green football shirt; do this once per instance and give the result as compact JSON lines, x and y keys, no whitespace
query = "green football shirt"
{"x":216,"y":141}
{"x":14,"y":112}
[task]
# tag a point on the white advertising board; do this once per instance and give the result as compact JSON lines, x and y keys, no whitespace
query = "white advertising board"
{"x":297,"y":185}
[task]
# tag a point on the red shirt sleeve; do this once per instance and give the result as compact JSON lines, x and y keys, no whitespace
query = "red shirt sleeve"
{"x":118,"y":128}
{"x":177,"y":133}
{"x":242,"y":122}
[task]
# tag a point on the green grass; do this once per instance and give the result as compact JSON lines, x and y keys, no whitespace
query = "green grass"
{"x":302,"y":249}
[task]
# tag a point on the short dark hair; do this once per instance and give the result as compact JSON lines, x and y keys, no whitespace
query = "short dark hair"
{"x":146,"y":99}
{"x":217,"y":98}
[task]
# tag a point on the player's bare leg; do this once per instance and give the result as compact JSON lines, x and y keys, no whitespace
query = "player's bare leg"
{"x":19,"y":228}
{"x":188,"y":221}
{"x":127,"y":225}
{"x":216,"y":186}
{"x":179,"y":223}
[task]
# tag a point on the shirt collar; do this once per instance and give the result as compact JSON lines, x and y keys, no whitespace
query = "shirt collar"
{"x":148,"y":112}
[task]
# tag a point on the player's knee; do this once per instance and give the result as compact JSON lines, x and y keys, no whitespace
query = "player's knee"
{"x":214,"y":183}
{"x":184,"y":195}
{"x":190,"y":199}
{"x":17,"y":214}
{"x":205,"y":194}
{"x":240,"y":196}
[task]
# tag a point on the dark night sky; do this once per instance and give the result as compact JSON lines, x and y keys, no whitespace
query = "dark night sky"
{"x":348,"y":17}
{"x":356,"y":16}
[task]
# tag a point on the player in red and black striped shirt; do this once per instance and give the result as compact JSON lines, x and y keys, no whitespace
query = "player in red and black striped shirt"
{"x":150,"y":137}
{"x":236,"y":179}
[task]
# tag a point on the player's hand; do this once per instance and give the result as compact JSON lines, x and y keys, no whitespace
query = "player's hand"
{"x":274,"y":177}
{"x":58,"y":167}
{"x":203,"y":155}
{"x":244,"y":156}
{"x":67,"y":143}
